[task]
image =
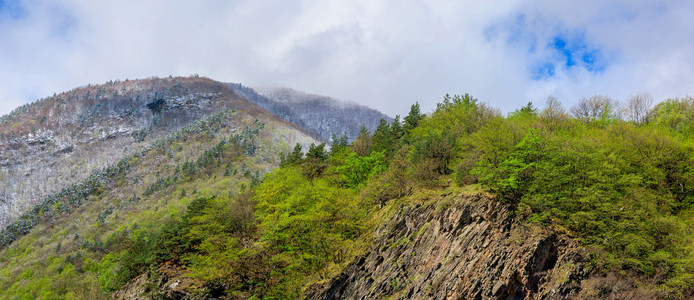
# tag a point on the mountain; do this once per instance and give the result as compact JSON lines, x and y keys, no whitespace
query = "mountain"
{"x":323,"y":115}
{"x":58,"y":140}
{"x":96,"y":158}
{"x":180,"y":188}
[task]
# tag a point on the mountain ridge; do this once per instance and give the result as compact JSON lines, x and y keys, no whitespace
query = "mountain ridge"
{"x":93,"y":125}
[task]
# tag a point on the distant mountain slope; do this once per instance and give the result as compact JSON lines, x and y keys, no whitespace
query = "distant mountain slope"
{"x":59,"y":140}
{"x":323,"y":115}
{"x":76,"y":242}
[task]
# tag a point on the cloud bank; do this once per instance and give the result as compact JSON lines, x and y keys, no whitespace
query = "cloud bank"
{"x":384,"y":54}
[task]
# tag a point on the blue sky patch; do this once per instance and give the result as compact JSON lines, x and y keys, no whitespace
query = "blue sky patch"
{"x":11,"y":8}
{"x":553,"y":49}
{"x":543,"y":71}
{"x":574,"y":51}
{"x":560,"y":45}
{"x":568,"y":52}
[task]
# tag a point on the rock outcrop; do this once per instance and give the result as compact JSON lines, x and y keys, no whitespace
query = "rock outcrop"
{"x":465,"y":247}
{"x":167,"y":282}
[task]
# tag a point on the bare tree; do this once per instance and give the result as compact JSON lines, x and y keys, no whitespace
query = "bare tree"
{"x":597,"y":107}
{"x":638,"y":107}
{"x":554,"y":111}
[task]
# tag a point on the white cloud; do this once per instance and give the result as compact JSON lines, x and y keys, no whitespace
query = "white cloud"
{"x":385,"y":54}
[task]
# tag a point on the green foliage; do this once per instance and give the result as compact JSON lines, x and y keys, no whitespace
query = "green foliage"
{"x":387,"y":137}
{"x":525,"y":112}
{"x":308,"y":225}
{"x":394,"y":183}
{"x":357,"y":169}
{"x":293,"y":158}
{"x":412,"y":119}
{"x":433,"y":154}
{"x":339,"y":145}
{"x":363,"y":144}
{"x":439,"y":140}
{"x":510,"y":177}
{"x":623,"y":190}
{"x":675,"y":114}
{"x":315,"y":162}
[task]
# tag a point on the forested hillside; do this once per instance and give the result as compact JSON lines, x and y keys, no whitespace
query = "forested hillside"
{"x":59,"y":140}
{"x":585,"y":205}
{"x":92,"y":237}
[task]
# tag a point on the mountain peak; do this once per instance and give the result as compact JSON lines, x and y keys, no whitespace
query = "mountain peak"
{"x":59,"y":139}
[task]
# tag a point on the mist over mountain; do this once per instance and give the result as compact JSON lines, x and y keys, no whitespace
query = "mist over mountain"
{"x":323,"y":115}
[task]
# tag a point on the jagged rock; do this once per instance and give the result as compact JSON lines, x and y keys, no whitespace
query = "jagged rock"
{"x":167,"y":282}
{"x":473,"y":249}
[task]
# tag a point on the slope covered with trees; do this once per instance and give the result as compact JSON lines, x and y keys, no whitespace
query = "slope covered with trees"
{"x":212,"y":225}
{"x":58,"y":140}
{"x":92,"y":237}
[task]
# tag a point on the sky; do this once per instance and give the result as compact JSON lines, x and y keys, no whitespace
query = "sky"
{"x":384,"y":54}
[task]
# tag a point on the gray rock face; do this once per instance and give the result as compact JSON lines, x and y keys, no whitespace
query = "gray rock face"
{"x":320,"y":114}
{"x":59,"y":140}
{"x":472,"y":249}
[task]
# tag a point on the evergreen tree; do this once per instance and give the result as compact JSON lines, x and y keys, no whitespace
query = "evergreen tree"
{"x":362,"y":145}
{"x":314,"y":164}
{"x":382,"y":140}
{"x":396,"y":128}
{"x":339,"y":144}
{"x":317,"y":152}
{"x":412,"y":119}
{"x":295,"y":157}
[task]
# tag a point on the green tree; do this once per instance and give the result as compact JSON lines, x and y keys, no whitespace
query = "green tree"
{"x":315,"y":162}
{"x":293,"y":158}
{"x":339,"y":144}
{"x":675,"y":114}
{"x":382,"y":138}
{"x":363,"y":144}
{"x":394,"y":183}
{"x":412,"y":119}
{"x":357,"y":169}
{"x":434,"y":154}
{"x":526,"y":112}
{"x":396,"y":129}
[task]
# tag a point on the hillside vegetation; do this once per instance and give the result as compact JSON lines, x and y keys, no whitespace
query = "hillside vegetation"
{"x":169,"y":225}
{"x":91,"y":238}
{"x":57,"y":141}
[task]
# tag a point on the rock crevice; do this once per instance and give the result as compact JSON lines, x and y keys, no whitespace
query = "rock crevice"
{"x":473,"y":249}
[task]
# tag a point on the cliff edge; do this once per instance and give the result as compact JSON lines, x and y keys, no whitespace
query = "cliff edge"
{"x":463,"y":246}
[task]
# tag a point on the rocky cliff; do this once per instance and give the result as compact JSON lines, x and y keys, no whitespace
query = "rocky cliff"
{"x":463,"y":247}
